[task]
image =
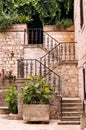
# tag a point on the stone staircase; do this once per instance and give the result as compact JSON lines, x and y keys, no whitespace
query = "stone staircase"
{"x":71,"y":108}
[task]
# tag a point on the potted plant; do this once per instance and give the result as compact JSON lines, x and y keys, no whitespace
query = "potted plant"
{"x":35,"y":96}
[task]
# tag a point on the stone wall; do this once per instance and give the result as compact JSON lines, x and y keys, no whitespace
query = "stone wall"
{"x":15,"y":40}
{"x":69,"y":79}
{"x":12,"y":41}
{"x":33,"y":52}
{"x":60,"y":34}
{"x":80,"y":38}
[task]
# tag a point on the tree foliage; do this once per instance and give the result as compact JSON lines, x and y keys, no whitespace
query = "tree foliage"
{"x":21,"y":11}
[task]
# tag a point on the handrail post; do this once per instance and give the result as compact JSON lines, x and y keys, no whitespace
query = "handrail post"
{"x":60,"y":97}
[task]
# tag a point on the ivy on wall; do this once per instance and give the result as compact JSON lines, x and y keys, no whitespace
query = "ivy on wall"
{"x":50,"y":11}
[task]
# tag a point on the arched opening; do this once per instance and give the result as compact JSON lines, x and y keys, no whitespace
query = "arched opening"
{"x":35,"y":31}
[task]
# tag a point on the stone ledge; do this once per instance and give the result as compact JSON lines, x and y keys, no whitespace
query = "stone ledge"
{"x":15,"y":28}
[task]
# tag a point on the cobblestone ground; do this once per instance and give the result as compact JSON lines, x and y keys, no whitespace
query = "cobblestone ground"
{"x":6,"y":124}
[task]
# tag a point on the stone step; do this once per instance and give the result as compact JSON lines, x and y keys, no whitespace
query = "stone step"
{"x":70,"y":118}
{"x":71,"y":104}
{"x":73,"y":108}
{"x":4,"y":110}
{"x":69,"y":122}
{"x":71,"y":100}
{"x":74,"y":113}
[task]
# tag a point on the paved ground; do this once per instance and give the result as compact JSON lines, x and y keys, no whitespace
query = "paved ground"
{"x":6,"y":124}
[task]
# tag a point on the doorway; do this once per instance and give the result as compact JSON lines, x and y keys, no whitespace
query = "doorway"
{"x":35,"y":31}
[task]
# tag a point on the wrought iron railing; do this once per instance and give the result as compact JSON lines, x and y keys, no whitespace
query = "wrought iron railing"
{"x":48,"y":41}
{"x":28,"y":67}
{"x":60,"y":98}
{"x":38,"y":36}
{"x":63,"y":52}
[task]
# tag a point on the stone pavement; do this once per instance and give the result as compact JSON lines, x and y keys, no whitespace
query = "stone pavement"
{"x":6,"y":124}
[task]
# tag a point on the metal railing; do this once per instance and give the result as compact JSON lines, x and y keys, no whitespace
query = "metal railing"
{"x":63,"y":52}
{"x":60,"y":98}
{"x":38,"y":36}
{"x":28,"y":67}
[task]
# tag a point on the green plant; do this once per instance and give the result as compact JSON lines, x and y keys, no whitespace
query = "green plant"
{"x":36,"y":91}
{"x":64,"y":22}
{"x":12,"y":98}
{"x":22,"y":11}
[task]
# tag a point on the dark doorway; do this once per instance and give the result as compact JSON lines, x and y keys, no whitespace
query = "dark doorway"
{"x":84,"y":83}
{"x":35,"y":31}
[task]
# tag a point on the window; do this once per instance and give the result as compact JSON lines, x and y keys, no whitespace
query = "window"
{"x":81,"y":13}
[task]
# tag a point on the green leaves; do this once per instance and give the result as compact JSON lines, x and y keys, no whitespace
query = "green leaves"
{"x":12,"y":98}
{"x":36,"y":91}
{"x":22,"y":11}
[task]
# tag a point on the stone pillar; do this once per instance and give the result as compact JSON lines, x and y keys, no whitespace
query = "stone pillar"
{"x":20,"y":84}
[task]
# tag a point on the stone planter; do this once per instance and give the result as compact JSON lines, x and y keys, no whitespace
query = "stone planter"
{"x":35,"y":113}
{"x":82,"y":122}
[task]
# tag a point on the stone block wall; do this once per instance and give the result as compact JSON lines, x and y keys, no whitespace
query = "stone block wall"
{"x":80,"y":38}
{"x":69,"y":79}
{"x":15,"y":40}
{"x":33,"y":52}
{"x":12,"y":41}
{"x":61,"y":35}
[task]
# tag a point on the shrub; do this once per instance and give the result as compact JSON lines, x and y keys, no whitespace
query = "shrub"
{"x":12,"y":98}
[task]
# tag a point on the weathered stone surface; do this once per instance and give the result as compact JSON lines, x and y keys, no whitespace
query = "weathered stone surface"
{"x":69,"y":79}
{"x":2,"y":97}
{"x":13,"y":116}
{"x":35,"y":112}
{"x":55,"y":107}
{"x":61,"y":35}
{"x":12,"y":40}
{"x":80,"y":38}
{"x":82,"y":122}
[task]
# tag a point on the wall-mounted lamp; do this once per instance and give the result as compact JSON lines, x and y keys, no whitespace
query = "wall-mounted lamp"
{"x":11,"y":54}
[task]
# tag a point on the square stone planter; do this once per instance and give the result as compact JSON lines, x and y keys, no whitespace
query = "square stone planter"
{"x":35,"y":113}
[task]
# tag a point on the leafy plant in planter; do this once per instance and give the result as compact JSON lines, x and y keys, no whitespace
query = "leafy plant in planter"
{"x":36,"y":92}
{"x":11,"y":98}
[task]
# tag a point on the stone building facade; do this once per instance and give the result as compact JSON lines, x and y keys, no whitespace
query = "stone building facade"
{"x":15,"y":40}
{"x":80,"y":38}
{"x":14,"y":45}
